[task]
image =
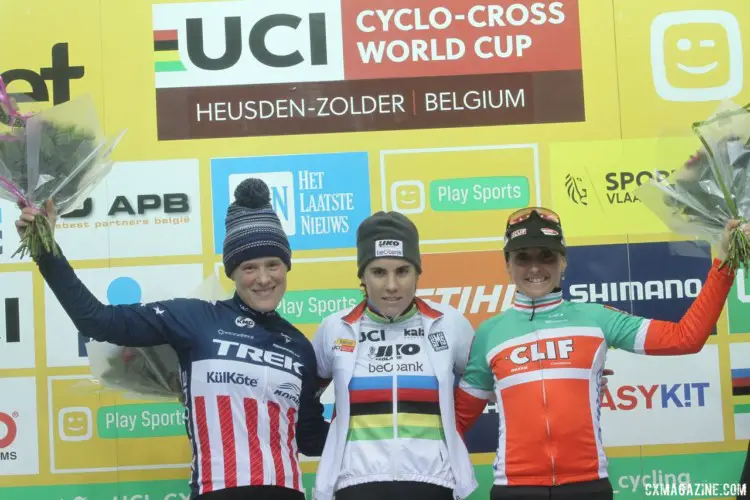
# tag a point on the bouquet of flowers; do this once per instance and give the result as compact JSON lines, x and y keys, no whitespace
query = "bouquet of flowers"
{"x":58,"y":154}
{"x":712,"y":186}
{"x":150,"y":372}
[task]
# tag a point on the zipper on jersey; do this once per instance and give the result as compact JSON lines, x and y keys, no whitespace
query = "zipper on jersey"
{"x":546,"y":418}
{"x":394,"y":397}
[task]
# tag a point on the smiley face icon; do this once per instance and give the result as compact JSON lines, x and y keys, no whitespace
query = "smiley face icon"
{"x":696,"y":55}
{"x":74,"y":423}
{"x":407,"y":197}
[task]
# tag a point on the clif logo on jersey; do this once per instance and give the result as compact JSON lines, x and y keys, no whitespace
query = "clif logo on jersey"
{"x":244,"y":322}
{"x":550,"y":349}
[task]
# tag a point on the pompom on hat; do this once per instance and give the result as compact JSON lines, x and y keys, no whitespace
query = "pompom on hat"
{"x":253,"y":230}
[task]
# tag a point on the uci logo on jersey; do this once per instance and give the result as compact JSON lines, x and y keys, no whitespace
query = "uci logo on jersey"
{"x":244,"y":322}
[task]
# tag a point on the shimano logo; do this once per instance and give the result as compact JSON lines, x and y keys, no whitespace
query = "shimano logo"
{"x":231,"y":378}
{"x":289,"y":391}
{"x":636,"y":290}
{"x":244,"y":322}
{"x":258,"y":356}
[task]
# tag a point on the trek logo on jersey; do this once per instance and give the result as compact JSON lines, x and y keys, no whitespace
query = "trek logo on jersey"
{"x":438,"y":341}
{"x":547,"y":350}
{"x":372,"y":336}
{"x":629,"y":397}
{"x":388,"y":352}
{"x":231,"y":378}
{"x":344,"y":345}
{"x":244,"y":322}
{"x":258,"y":356}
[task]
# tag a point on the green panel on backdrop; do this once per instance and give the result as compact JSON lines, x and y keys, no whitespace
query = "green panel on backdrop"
{"x":627,"y":476}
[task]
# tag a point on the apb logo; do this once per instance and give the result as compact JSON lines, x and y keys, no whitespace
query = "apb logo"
{"x":60,"y":73}
{"x":169,"y":203}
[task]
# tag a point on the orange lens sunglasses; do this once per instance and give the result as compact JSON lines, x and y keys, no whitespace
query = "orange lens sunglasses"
{"x":524,"y":213}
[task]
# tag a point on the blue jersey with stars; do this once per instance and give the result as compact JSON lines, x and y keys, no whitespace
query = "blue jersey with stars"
{"x":249,"y":379}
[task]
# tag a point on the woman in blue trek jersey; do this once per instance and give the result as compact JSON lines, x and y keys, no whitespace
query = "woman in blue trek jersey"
{"x":248,"y":376}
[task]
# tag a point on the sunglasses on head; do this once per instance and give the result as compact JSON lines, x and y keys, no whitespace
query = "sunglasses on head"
{"x":524,"y":213}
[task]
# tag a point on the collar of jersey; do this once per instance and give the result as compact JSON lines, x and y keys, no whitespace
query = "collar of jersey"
{"x":257,"y":315}
{"x":372,"y":313}
{"x":527,"y":305}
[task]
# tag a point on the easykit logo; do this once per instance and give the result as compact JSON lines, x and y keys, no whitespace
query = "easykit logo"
{"x":59,"y":73}
{"x":631,"y":397}
{"x":654,"y":280}
{"x":654,"y":401}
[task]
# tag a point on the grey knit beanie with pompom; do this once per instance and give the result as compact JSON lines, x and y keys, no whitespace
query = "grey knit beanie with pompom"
{"x":253,"y":230}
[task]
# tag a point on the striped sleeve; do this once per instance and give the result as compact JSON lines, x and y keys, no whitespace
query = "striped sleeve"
{"x":665,"y":338}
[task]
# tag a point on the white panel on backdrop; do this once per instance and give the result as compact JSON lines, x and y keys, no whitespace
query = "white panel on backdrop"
{"x":16,"y":321}
{"x":122,"y":285}
{"x":141,"y":209}
{"x":663,"y":399}
{"x":19,"y":439}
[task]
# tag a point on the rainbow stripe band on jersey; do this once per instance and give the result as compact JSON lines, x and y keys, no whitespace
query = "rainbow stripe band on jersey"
{"x":372,"y":415}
